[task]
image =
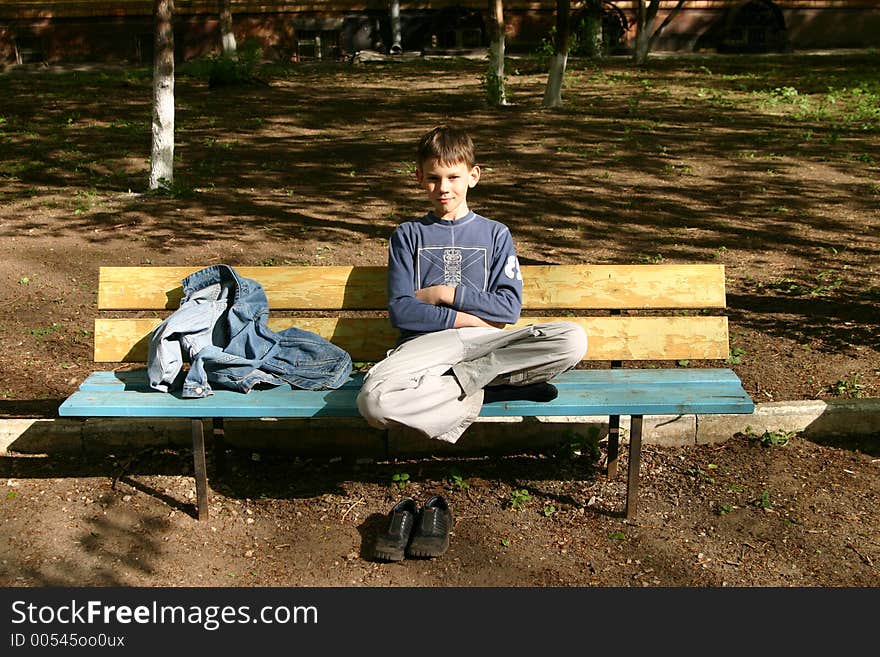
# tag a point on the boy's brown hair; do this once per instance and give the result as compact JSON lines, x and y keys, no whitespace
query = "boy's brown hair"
{"x":447,"y":145}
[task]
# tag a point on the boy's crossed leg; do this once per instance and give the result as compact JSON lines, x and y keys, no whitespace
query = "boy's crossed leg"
{"x":435,"y":383}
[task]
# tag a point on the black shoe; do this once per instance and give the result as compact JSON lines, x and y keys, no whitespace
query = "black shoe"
{"x":390,"y":544}
{"x":430,"y":537}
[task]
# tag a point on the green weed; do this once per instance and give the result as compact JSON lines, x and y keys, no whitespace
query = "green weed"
{"x":678,"y":169}
{"x":456,"y":480}
{"x":223,"y":70}
{"x":826,"y":281}
{"x":575,"y":445}
{"x":778,"y":438}
{"x":400,"y":479}
{"x":822,"y":284}
{"x":699,"y":473}
{"x":407,"y":168}
{"x":85,"y":201}
{"x":847,"y":387}
{"x":763,"y":502}
{"x":519,"y":499}
{"x":781,"y":96}
{"x":549,"y":510}
{"x":45,"y":330}
{"x":736,"y":354}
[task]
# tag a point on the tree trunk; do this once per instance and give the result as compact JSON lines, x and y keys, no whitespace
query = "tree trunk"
{"x":646,"y":35}
{"x":666,"y":21}
{"x":640,"y":54}
{"x":593,"y":33}
{"x":162,"y":153}
{"x":495,"y":77}
{"x":553,"y":91}
{"x":227,"y":33}
{"x":396,"y":47}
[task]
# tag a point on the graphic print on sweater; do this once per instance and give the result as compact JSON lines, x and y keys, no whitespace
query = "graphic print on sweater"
{"x":453,"y":265}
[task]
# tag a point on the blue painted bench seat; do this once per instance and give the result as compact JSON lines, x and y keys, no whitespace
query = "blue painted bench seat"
{"x":581,"y":393}
{"x":634,"y":313}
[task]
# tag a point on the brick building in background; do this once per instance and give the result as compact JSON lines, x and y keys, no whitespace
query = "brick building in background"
{"x":122,"y":30}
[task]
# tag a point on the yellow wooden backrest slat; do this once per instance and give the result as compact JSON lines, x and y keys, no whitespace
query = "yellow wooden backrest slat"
{"x":367,"y":339}
{"x":545,"y":287}
{"x":287,"y":288}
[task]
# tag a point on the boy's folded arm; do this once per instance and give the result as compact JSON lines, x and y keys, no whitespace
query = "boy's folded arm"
{"x":416,"y":313}
{"x":503,"y":305}
{"x":410,"y":314}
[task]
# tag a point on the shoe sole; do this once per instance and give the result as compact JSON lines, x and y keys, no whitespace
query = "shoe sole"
{"x":428,"y":551}
{"x":386,"y":555}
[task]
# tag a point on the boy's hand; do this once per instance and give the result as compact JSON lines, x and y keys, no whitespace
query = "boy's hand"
{"x":463,"y":319}
{"x":437,"y":295}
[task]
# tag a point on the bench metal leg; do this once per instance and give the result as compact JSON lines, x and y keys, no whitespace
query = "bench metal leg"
{"x":613,"y":444}
{"x":200,"y":468}
{"x":635,"y":457}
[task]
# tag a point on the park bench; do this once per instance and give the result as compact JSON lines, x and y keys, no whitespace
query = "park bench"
{"x":646,"y":315}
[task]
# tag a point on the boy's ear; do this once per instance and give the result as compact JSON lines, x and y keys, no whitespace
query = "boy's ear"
{"x":474,"y":176}
{"x":420,"y":176}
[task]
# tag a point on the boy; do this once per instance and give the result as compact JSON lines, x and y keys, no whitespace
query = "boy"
{"x":453,"y":283}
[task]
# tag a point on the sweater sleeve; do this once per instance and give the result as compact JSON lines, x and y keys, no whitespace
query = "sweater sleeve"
{"x":408,"y":313}
{"x":502,"y":301}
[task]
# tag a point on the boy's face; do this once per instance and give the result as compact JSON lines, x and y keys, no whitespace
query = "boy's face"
{"x":447,"y":186}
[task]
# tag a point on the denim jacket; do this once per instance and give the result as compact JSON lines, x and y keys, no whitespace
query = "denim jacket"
{"x":221,"y":329}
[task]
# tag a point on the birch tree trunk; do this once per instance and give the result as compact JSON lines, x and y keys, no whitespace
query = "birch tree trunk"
{"x":162,"y":152}
{"x":495,"y":77}
{"x":227,"y":32}
{"x":396,"y":47}
{"x":553,"y":91}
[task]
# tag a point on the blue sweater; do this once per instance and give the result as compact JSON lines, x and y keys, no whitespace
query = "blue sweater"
{"x":473,"y":254}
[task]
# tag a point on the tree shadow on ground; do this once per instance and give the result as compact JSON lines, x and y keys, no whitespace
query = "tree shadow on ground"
{"x":278,"y":475}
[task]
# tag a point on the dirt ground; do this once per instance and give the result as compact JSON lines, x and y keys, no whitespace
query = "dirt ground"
{"x":767,"y":165}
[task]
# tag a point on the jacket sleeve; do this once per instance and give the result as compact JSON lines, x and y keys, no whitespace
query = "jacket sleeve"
{"x":164,"y":357}
{"x":407,"y":313}
{"x":180,"y":336}
{"x":502,"y":301}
